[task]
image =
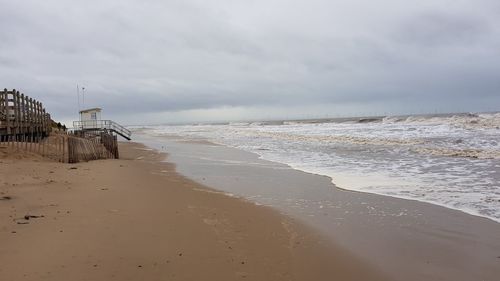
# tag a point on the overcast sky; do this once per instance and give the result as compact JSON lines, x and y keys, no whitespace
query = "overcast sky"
{"x":197,"y":60}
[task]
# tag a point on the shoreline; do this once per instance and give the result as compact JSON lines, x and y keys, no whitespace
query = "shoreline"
{"x":470,"y":212}
{"x":410,"y":238}
{"x":334,"y":185}
{"x":464,"y":211}
{"x":137,"y":218}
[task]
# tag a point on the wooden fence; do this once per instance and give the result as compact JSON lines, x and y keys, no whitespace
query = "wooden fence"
{"x":67,"y":147}
{"x":21,"y":115}
{"x":91,"y":146}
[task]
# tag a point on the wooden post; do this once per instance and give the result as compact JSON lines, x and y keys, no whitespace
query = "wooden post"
{"x":44,"y":122}
{"x":15,"y":105}
{"x":36,"y":121}
{"x":2,"y":94}
{"x":3,"y":98}
{"x":7,"y":112}
{"x":38,"y":118}
{"x":18,"y":113}
{"x":22,"y":108}
{"x":31,"y":115}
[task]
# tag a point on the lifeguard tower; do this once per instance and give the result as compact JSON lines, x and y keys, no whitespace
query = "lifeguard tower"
{"x":91,"y":122}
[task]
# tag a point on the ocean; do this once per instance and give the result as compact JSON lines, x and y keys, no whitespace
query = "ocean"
{"x":451,"y":160}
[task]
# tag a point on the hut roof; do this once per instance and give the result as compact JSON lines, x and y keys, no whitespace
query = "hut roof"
{"x":90,"y":110}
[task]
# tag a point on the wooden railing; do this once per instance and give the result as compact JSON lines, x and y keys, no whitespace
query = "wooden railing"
{"x":22,"y":115}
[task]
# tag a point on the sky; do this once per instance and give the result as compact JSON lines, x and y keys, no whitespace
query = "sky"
{"x":154,"y":62}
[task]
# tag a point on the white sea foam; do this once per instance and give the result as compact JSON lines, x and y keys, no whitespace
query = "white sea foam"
{"x":452,"y":160}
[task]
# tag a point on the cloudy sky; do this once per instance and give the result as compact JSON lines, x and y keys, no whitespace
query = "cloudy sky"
{"x":196,"y":60}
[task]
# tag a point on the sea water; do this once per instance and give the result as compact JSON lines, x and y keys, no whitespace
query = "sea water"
{"x":448,"y":160}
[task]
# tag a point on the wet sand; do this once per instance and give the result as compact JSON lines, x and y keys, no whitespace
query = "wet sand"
{"x":137,"y":219}
{"x":408,"y":240}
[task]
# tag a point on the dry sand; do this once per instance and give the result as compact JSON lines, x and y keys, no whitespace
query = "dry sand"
{"x":137,"y":219}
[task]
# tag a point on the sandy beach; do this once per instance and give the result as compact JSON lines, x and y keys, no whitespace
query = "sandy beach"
{"x":250,"y":140}
{"x":137,"y":219}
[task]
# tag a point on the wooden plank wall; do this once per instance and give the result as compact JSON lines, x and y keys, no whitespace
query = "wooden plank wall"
{"x":21,"y":115}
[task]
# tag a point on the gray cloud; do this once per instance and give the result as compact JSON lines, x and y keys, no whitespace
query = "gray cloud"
{"x":433,"y":29}
{"x":150,"y":59}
